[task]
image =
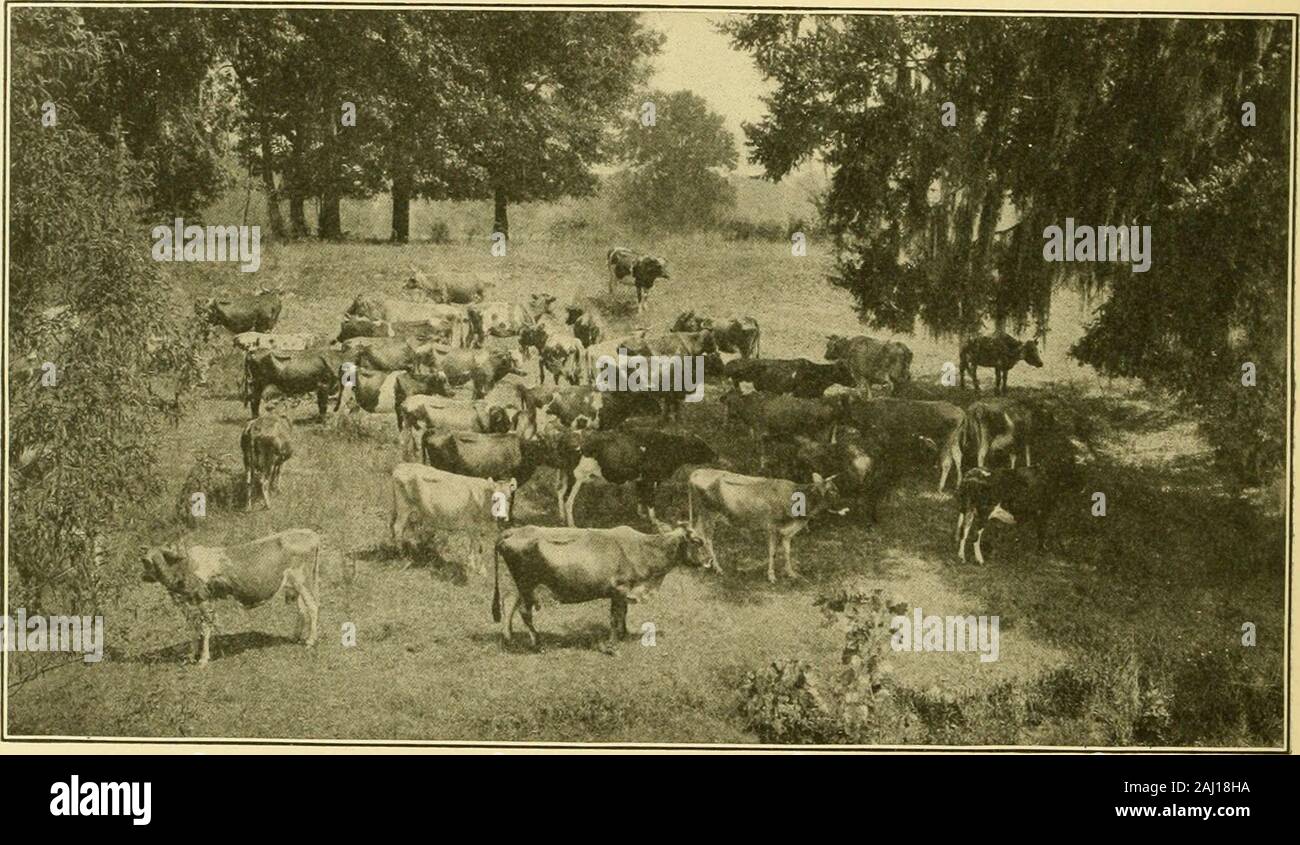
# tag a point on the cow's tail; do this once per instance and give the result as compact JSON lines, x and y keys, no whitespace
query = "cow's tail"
{"x":314,"y":585}
{"x":247,"y":386}
{"x":496,"y":581}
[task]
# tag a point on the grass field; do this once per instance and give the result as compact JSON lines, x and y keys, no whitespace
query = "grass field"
{"x":1151,"y":597}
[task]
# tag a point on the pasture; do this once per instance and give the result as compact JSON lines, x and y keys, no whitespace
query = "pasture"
{"x":1147,"y":601}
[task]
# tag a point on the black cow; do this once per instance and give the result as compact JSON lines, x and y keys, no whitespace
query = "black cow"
{"x":645,"y":270}
{"x":1001,"y":352}
{"x":796,"y":376}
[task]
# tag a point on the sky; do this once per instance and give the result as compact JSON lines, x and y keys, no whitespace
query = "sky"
{"x":699,"y":59}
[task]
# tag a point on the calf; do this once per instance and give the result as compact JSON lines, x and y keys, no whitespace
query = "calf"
{"x":644,"y":456}
{"x":251,"y":573}
{"x":451,"y":503}
{"x":1001,"y":352}
{"x":588,"y":564}
{"x":645,"y":270}
{"x":779,"y":507}
{"x":1006,"y":495}
{"x":266,"y":444}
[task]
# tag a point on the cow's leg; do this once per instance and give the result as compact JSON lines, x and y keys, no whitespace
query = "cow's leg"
{"x":979,"y":554}
{"x":789,"y":564}
{"x":400,"y":517}
{"x":322,"y":401}
{"x":309,"y":612}
{"x":508,"y":629}
{"x":526,"y":614}
{"x":573,"y":498}
{"x":206,"y":628}
{"x":965,"y":535}
{"x":1027,"y":463}
{"x":617,"y":619}
{"x":255,"y":398}
{"x":263,"y":482}
{"x":771,"y":557}
{"x":248,"y":488}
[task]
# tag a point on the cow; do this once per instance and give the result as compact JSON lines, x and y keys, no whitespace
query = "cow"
{"x":495,"y":319}
{"x":489,"y":455}
{"x":367,"y":307}
{"x":732,"y":334}
{"x":266,"y":444}
{"x":796,"y":376}
{"x":644,"y":456}
{"x":588,"y":564}
{"x":1006,"y":495}
{"x":451,"y":503}
{"x":899,"y":422}
{"x":586,"y":326}
{"x":251,"y":573}
{"x":780,"y":416}
{"x":480,"y":367}
{"x":645,"y":270}
{"x":558,"y":353}
{"x":420,"y":413}
{"x":390,"y":354}
{"x":351,"y":327}
{"x":249,"y":341}
{"x":872,"y":361}
{"x":441,"y":290}
{"x":683,"y":344}
{"x":1001,"y":352}
{"x":291,"y":374}
{"x":780,"y":507}
{"x":241,"y":314}
{"x":988,"y":427}
{"x":407,"y":384}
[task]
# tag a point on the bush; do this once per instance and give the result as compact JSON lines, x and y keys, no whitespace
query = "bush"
{"x":439,"y":232}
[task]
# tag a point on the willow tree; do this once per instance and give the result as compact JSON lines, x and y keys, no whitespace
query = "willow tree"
{"x":954,"y":142}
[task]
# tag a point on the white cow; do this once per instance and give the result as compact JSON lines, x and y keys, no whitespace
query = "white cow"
{"x":451,"y":503}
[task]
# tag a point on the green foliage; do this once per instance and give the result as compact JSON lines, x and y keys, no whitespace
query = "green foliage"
{"x":84,"y":448}
{"x":676,"y":170}
{"x":1109,"y":121}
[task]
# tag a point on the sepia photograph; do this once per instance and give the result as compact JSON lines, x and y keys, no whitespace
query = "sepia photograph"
{"x":492,"y":378}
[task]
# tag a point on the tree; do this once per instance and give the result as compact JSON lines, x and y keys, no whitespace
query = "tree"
{"x":554,"y":85}
{"x":84,"y":303}
{"x":1109,"y":121}
{"x":672,"y":177}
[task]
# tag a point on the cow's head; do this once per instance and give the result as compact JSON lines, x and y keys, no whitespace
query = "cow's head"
{"x":434,"y":383}
{"x":541,"y":303}
{"x":649,"y":268}
{"x":499,"y":421}
{"x":694,"y":551}
{"x":837,"y":347}
{"x":164,"y":565}
{"x":688,"y":321}
{"x":572,"y":313}
{"x":532,"y":337}
{"x":900,"y":362}
{"x":1029,"y":353}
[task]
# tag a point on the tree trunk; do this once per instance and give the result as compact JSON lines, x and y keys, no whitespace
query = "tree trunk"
{"x":500,"y":215}
{"x":268,"y":186}
{"x":401,"y":207}
{"x":297,"y":213}
{"x":329,"y":226}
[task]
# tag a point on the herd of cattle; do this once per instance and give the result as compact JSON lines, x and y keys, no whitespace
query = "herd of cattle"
{"x":832,"y":438}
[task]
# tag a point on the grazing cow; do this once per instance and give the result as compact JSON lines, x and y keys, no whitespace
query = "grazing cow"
{"x":899,"y":422}
{"x":645,"y":270}
{"x":1001,"y":352}
{"x":588,"y":564}
{"x":1005,"y":495}
{"x":249,"y":341}
{"x":390,"y":354}
{"x":266,"y":444}
{"x":241,"y":314}
{"x":796,"y":376}
{"x":451,"y":503}
{"x":732,"y":334}
{"x":441,"y":290}
{"x":872,"y":361}
{"x":645,"y":456}
{"x":291,"y":374}
{"x":586,"y":327}
{"x":780,"y":507}
{"x":481,"y":367}
{"x":989,"y":427}
{"x":251,"y":573}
